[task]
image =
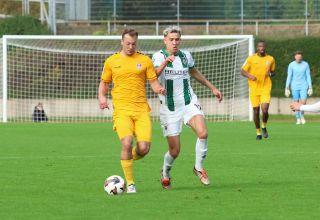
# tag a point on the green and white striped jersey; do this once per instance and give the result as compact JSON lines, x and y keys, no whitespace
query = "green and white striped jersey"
{"x":175,"y":78}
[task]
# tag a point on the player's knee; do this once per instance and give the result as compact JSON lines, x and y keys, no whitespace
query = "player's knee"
{"x":143,"y":149}
{"x":264,"y":111}
{"x":175,"y":153}
{"x":256,"y":111}
{"x":126,"y":144}
{"x":203,"y":134}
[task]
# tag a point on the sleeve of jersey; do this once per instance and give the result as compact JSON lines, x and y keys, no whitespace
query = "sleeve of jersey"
{"x":190,"y":60}
{"x":157,"y":59}
{"x":311,"y":108}
{"x":308,"y":76}
{"x":246,"y":65}
{"x":106,"y":75}
{"x":151,"y":73}
{"x":289,"y":76}
{"x":273,"y":65}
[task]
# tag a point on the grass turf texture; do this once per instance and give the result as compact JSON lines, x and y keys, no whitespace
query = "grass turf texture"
{"x":56,"y":171}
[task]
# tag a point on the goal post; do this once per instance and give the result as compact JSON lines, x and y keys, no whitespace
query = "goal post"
{"x":62,"y":74}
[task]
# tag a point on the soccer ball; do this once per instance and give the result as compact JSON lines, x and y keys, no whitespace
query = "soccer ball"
{"x":114,"y":185}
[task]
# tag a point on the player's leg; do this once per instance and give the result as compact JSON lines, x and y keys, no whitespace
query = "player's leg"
{"x":168,"y":160}
{"x":143,"y":133}
{"x":197,"y":123}
{"x":255,"y":102}
{"x":171,"y":123}
{"x":171,"y":130}
{"x":123,"y":125}
{"x":265,"y":117}
{"x":303,"y":101}
{"x":296,"y":98}
{"x":256,"y":120}
{"x":265,"y":102}
{"x":127,"y":161}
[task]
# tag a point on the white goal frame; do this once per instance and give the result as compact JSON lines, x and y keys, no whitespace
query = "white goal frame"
{"x":5,"y":39}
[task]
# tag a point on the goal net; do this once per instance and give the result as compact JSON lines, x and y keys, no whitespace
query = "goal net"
{"x":61,"y":74}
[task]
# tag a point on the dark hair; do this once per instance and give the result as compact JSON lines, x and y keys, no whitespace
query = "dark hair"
{"x":130,"y":32}
{"x":261,"y":41}
{"x":298,"y":52}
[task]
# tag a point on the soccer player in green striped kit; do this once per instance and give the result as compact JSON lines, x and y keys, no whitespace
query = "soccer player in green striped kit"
{"x":174,"y":68}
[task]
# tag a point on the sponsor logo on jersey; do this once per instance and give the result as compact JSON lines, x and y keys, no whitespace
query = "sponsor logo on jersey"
{"x":139,"y":66}
{"x":175,"y":72}
{"x":184,"y":61}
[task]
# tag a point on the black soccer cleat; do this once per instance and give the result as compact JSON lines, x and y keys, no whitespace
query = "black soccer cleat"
{"x":259,"y":137}
{"x":265,"y":132}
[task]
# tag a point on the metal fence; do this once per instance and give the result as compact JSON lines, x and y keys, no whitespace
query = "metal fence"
{"x":113,"y":13}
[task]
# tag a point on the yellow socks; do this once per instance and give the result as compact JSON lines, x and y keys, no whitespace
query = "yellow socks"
{"x":135,"y":156}
{"x":127,"y":166}
{"x":264,"y":125}
{"x":258,"y":131}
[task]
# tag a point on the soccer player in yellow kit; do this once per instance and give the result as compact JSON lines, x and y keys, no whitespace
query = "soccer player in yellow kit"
{"x":259,"y":68}
{"x":129,"y":70}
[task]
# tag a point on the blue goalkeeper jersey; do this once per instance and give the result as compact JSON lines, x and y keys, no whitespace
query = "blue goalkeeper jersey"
{"x":298,"y":76}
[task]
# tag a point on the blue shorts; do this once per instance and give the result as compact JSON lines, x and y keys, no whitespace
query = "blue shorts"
{"x":299,"y":94}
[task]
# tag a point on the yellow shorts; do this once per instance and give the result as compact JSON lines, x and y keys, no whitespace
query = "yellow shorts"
{"x":129,"y":123}
{"x":257,"y":100}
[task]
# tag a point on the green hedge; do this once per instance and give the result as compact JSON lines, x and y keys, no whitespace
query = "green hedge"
{"x":283,"y":52}
{"x":22,"y":25}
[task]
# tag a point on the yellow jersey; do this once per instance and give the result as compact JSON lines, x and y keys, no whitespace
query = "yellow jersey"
{"x":129,"y":75}
{"x":259,"y":67}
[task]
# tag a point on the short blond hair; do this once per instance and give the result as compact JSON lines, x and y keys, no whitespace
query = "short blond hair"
{"x":171,"y":29}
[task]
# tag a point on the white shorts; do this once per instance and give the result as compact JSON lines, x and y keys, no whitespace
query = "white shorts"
{"x":171,"y":121}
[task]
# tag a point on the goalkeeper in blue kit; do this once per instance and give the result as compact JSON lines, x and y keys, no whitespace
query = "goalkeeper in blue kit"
{"x":299,"y":80}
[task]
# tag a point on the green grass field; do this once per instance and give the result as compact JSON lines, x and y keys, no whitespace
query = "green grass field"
{"x":56,"y":171}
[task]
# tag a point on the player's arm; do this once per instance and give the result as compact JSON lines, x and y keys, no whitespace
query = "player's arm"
{"x":156,"y":87}
{"x":297,"y":106}
{"x":106,"y":79}
{"x":271,"y":72}
{"x":195,"y":73}
{"x":248,"y":75}
{"x":309,"y":80}
{"x":151,"y":76}
{"x":102,"y":94}
{"x":245,"y":70}
{"x":163,"y":65}
{"x":288,"y":82}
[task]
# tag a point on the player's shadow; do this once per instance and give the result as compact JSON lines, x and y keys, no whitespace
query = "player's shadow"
{"x":257,"y":184}
{"x":236,"y":186}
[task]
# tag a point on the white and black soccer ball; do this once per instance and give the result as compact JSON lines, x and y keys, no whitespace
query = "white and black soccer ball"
{"x":114,"y":185}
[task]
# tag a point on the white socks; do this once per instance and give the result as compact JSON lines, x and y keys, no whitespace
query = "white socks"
{"x":201,"y":152}
{"x":167,"y":164}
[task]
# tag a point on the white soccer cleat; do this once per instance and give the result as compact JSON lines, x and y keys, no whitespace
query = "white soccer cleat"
{"x":131,"y":188}
{"x":204,"y":179}
{"x":303,"y":121}
{"x":298,"y":122}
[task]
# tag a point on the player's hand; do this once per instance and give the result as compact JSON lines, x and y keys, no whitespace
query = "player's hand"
{"x":253,"y":78}
{"x":170,"y":59}
{"x":103,"y":102}
{"x":287,"y":92}
{"x":217,"y":94}
{"x":268,"y":74}
{"x":310,"y":92}
{"x":162,"y":91}
{"x":295,"y":106}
